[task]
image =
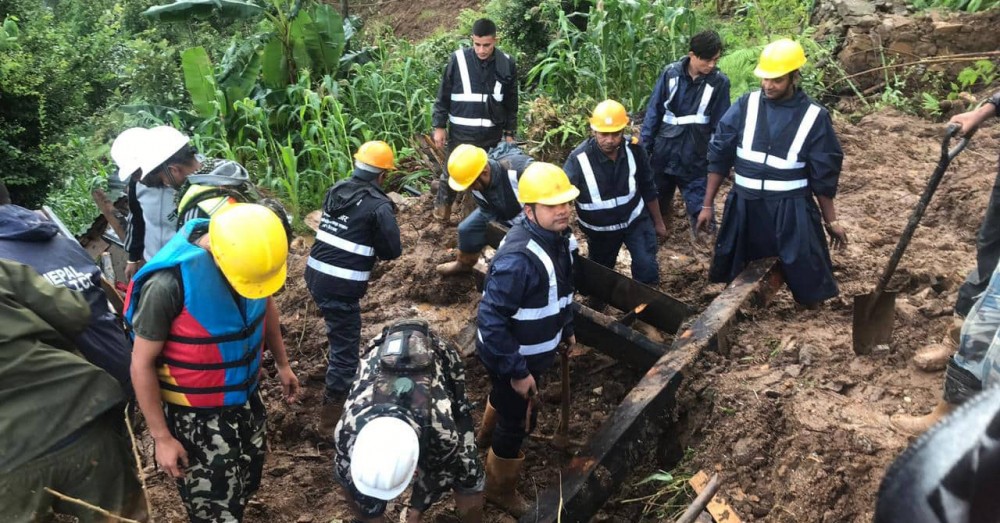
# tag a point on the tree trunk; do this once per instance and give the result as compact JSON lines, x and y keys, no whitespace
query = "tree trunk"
{"x":4,"y":194}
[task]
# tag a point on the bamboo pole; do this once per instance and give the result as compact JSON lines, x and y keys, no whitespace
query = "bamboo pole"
{"x":84,"y":504}
{"x":139,"y":467}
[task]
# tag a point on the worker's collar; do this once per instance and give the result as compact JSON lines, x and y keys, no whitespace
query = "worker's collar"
{"x":490,"y":59}
{"x":791,"y":101}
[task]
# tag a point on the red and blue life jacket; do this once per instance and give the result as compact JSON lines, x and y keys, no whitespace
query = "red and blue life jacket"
{"x":211,"y":357}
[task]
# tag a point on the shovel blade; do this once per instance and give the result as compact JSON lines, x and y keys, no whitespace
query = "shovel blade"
{"x":873,"y":321}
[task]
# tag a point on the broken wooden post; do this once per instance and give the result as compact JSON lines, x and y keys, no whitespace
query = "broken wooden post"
{"x":629,"y":435}
{"x":108,"y":210}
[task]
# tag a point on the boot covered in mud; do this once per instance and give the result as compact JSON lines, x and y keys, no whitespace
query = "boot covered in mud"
{"x":463,"y":264}
{"x":442,"y":212}
{"x":933,"y":358}
{"x":484,"y":436}
{"x":502,"y":476}
{"x":916,"y":425}
{"x":330,"y":413}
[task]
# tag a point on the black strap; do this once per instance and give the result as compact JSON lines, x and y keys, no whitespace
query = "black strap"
{"x":245,"y":385}
{"x":243,"y":334}
{"x":245,"y":360}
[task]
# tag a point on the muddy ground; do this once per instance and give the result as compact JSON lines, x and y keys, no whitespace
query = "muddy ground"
{"x":795,"y":423}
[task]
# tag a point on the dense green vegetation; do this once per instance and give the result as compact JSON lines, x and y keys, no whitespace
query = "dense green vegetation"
{"x":290,"y":89}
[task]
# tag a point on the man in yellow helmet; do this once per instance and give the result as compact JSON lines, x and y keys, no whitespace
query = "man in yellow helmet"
{"x":786,"y":158}
{"x":201,"y":314}
{"x":523,"y":317}
{"x":618,"y":199}
{"x":493,"y":181}
{"x":358,"y":226}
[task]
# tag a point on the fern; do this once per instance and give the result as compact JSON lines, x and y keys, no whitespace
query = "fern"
{"x":738,"y":66}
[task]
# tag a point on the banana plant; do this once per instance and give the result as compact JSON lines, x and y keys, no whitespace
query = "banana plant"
{"x":304,"y":35}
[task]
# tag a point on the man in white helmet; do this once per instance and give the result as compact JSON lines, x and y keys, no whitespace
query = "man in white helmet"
{"x":126,"y":151}
{"x":407,"y":413}
{"x":178,"y":185}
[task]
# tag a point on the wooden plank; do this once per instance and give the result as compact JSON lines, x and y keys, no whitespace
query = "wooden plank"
{"x":718,"y":507}
{"x":626,"y":437}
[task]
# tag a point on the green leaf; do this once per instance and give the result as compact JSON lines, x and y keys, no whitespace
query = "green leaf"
{"x":274,"y":64}
{"x":330,"y":37}
{"x":661,"y":476}
{"x":968,"y":76}
{"x":200,"y":81}
{"x":184,"y":10}
{"x":240,"y":68}
{"x":302,"y":37}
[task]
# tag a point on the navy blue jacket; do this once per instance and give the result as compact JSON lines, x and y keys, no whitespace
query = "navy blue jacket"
{"x":499,"y":200}
{"x":679,"y":147}
{"x":483,"y":109}
{"x":516,"y":334}
{"x":612,"y":185}
{"x":358,"y":226}
{"x":27,"y":238}
{"x":778,"y":123}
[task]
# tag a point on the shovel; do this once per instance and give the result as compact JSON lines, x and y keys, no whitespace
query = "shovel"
{"x":873,"y":313}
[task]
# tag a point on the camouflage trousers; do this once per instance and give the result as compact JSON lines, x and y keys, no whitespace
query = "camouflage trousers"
{"x":225,"y":458}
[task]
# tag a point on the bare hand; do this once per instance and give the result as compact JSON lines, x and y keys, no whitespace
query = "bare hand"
{"x":171,"y":456}
{"x":838,"y":236}
{"x":289,"y":384}
{"x":440,"y":135}
{"x":661,"y":230}
{"x":704,"y":220}
{"x":525,"y":387}
{"x":131,"y":268}
{"x":509,"y":138}
{"x":969,"y":121}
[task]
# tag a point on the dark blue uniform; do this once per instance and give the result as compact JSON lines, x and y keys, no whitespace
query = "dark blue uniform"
{"x":611,"y":207}
{"x":523,"y":316}
{"x":783,"y":153}
{"x":498,"y":202}
{"x":476,"y":102}
{"x":680,"y":118}
{"x":987,"y":246}
{"x":26,"y":238}
{"x":358,"y":226}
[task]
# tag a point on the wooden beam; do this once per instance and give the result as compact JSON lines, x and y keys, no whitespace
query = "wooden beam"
{"x":614,"y":338}
{"x":628,"y":437}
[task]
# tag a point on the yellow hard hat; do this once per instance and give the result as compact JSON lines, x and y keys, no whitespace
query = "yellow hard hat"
{"x":465,"y":164}
{"x":546,"y":184}
{"x":249,"y":245}
{"x":609,"y":116}
{"x":779,"y":58}
{"x":377,"y":154}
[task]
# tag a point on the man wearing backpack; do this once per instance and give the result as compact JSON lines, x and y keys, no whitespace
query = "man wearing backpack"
{"x":493,"y":180}
{"x":408,"y":412}
{"x":358,"y":226}
{"x":199,"y":187}
{"x":476,"y":103}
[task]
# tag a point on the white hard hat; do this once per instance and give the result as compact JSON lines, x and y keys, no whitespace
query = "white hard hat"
{"x":126,"y":150}
{"x":161,"y":143}
{"x":384,"y":457}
